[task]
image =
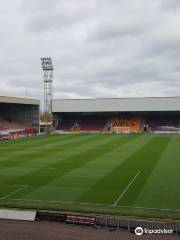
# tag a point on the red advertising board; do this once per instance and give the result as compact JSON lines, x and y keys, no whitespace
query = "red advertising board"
{"x":83,"y":220}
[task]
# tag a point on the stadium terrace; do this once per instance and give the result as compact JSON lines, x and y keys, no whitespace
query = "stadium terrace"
{"x":19,"y":116}
{"x":118,"y":115}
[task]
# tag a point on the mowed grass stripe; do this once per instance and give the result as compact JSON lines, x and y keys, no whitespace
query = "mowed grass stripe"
{"x":44,"y":152}
{"x":37,"y":180}
{"x":32,"y":140}
{"x":33,"y":149}
{"x":144,"y":161}
{"x":20,"y":149}
{"x":33,"y":145}
{"x":117,"y":180}
{"x":162,"y":189}
{"x":35,"y":164}
{"x":164,"y":173}
{"x":11,"y":173}
{"x":85,"y":176}
{"x":108,"y":187}
{"x":76,"y":182}
{"x":66,"y":153}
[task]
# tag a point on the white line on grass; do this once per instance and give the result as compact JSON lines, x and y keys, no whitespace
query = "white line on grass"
{"x":92,"y":204}
{"x":148,"y":208}
{"x":14,"y":192}
{"x":63,"y":202}
{"x":125,"y":190}
{"x":12,"y":185}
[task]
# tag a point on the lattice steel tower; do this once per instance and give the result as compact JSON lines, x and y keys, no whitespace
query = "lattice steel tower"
{"x":47,"y":67}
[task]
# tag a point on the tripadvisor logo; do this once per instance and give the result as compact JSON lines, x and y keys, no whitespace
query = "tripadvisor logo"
{"x":139,"y":231}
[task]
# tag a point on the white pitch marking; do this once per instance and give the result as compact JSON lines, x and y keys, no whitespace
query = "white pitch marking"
{"x":49,"y":201}
{"x":93,"y":204}
{"x":125,"y":190}
{"x":146,"y":208}
{"x":14,"y":185}
{"x":14,"y":192}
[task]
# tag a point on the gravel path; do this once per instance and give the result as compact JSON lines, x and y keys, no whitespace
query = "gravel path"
{"x":44,"y":230}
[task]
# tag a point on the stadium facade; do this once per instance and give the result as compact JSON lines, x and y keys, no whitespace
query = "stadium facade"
{"x":19,"y":112}
{"x":117,"y":114}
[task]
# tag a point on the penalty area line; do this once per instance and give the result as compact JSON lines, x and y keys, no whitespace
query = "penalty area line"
{"x":125,"y":190}
{"x":14,"y":192}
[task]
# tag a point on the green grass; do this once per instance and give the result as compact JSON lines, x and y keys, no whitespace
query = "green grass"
{"x":136,"y":175}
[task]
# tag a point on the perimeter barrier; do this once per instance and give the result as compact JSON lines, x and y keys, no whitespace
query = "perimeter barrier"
{"x":109,"y":222}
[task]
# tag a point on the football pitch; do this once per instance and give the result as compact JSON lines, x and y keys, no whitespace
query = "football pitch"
{"x":135,"y":174}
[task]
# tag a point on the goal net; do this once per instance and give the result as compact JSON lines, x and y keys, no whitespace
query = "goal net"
{"x":122,"y":129}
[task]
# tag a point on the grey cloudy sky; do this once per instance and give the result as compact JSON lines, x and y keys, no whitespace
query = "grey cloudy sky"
{"x":100,"y":48}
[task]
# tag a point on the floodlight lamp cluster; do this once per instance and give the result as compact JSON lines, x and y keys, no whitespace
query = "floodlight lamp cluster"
{"x":47,"y":63}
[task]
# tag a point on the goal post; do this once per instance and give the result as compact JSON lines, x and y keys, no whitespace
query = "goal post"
{"x":122,"y":129}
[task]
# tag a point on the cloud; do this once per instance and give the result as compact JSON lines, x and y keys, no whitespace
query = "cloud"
{"x":99,"y":48}
{"x":56,"y":15}
{"x":170,"y":4}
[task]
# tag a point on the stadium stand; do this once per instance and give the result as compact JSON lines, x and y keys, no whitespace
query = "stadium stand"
{"x":18,"y":116}
{"x":118,"y":114}
{"x":10,"y":124}
{"x":1,"y":128}
{"x":92,"y":123}
{"x":163,"y":123}
{"x":127,"y":124}
{"x":67,"y":123}
{"x":83,"y":123}
{"x":122,"y":123}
